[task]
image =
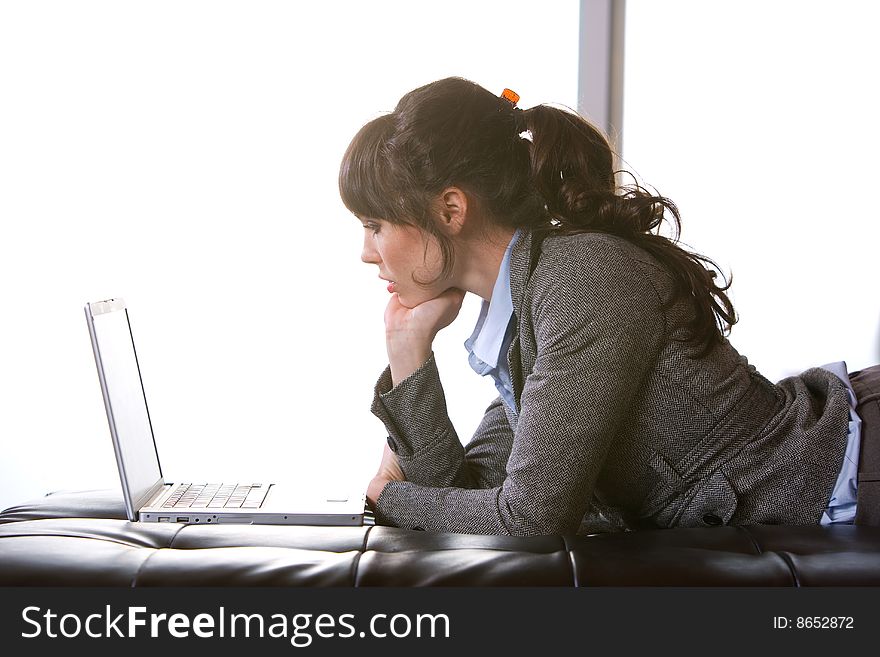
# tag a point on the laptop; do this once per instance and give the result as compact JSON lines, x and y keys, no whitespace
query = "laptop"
{"x":148,"y":497}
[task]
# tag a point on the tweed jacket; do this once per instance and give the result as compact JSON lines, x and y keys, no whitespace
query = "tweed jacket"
{"x":618,"y":423}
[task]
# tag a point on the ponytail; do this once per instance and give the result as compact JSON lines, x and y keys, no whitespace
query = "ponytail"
{"x":542,"y":169}
{"x":571,"y":168}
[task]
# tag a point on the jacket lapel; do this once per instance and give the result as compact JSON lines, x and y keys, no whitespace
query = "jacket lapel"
{"x":520,"y":269}
{"x":515,"y":367}
{"x":523,"y":259}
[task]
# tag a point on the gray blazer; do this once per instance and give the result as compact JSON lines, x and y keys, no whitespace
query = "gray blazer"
{"x":618,"y":425}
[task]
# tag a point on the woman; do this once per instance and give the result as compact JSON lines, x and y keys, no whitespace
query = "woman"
{"x":621,"y":404}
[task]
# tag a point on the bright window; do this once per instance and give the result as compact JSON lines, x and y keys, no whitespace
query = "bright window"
{"x":760,"y":120}
{"x":183,"y":156}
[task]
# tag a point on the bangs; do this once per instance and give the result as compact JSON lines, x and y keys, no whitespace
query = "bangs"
{"x":365,"y":174}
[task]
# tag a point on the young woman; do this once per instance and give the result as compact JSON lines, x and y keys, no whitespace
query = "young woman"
{"x":621,"y":404}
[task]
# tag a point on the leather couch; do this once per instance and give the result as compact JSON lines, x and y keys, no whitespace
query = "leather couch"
{"x":83,"y":539}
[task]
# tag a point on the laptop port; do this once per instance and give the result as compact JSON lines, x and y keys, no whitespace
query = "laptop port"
{"x":182,"y":518}
{"x":164,"y":518}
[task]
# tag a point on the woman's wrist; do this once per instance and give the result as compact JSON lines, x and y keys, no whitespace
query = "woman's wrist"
{"x":374,"y":490}
{"x":406,"y":356}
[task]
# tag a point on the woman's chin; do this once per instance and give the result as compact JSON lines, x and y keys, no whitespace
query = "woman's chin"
{"x":411,"y":301}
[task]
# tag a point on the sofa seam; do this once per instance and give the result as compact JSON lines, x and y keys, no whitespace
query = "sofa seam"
{"x":354,"y":569}
{"x":174,"y":538}
{"x":366,"y":538}
{"x":751,"y":537}
{"x":137,"y":573}
{"x":357,"y":558}
{"x":786,"y":557}
{"x":570,"y":550}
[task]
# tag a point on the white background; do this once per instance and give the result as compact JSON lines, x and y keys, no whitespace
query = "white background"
{"x":183,"y":155}
{"x":760,"y":119}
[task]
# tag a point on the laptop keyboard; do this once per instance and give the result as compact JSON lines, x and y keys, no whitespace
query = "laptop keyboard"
{"x":216,"y":496}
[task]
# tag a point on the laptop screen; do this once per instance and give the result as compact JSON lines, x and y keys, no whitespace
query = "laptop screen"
{"x":124,"y":398}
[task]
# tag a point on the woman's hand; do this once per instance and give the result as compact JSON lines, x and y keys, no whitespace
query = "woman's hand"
{"x":410,"y":332}
{"x":389,"y":470}
{"x":425,"y":319}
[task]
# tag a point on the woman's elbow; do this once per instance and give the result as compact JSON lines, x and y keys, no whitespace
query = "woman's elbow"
{"x":522,"y":519}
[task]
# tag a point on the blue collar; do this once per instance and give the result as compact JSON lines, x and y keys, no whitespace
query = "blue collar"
{"x":488,"y":336}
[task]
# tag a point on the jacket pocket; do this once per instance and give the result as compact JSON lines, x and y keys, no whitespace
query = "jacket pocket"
{"x":664,"y":486}
{"x":709,"y":503}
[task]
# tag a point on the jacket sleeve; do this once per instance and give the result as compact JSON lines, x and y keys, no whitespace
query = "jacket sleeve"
{"x":599,"y":326}
{"x":437,"y":458}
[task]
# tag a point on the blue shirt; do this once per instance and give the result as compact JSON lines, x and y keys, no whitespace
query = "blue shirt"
{"x":487,"y":355}
{"x":488,"y":344}
{"x":842,"y":505}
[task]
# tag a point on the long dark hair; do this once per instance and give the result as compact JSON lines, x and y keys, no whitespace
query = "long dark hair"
{"x":543,"y":169}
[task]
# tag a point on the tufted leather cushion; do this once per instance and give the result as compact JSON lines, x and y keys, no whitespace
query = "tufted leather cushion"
{"x":83,"y":539}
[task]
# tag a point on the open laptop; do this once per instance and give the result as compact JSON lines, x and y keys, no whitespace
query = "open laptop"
{"x":148,"y":497}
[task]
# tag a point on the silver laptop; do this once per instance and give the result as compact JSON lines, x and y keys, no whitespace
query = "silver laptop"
{"x":148,"y":497}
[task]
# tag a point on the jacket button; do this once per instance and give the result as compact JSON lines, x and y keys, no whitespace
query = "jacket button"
{"x":712,"y":520}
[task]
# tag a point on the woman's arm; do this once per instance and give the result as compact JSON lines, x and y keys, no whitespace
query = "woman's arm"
{"x":431,"y":457}
{"x":432,"y":454}
{"x":599,"y":327}
{"x":482,"y":464}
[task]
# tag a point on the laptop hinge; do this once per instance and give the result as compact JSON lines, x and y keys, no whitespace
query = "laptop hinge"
{"x":154,"y":494}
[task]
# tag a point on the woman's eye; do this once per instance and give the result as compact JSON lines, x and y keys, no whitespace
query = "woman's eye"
{"x":372,"y":227}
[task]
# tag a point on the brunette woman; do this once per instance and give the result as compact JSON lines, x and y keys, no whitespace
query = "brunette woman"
{"x":622,"y":404}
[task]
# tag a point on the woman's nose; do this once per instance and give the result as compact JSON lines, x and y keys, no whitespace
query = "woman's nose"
{"x":369,"y":254}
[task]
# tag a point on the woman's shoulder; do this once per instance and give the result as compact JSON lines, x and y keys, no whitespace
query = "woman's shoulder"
{"x":610,"y":259}
{"x":591,"y":244}
{"x":597,"y":271}
{"x":591,"y":286}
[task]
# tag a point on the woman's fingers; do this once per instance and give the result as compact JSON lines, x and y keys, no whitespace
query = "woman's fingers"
{"x":428,"y":317}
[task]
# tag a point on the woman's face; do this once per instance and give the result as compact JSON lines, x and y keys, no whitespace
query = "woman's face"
{"x":402,"y":252}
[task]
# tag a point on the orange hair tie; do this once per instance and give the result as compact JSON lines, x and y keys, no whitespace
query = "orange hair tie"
{"x":511,"y":96}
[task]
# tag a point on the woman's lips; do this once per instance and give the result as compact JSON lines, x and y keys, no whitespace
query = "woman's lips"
{"x":390,"y":287}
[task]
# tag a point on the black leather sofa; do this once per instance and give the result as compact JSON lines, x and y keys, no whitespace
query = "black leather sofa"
{"x":83,"y":539}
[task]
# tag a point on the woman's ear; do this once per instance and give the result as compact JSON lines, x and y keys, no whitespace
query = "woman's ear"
{"x":452,"y":210}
